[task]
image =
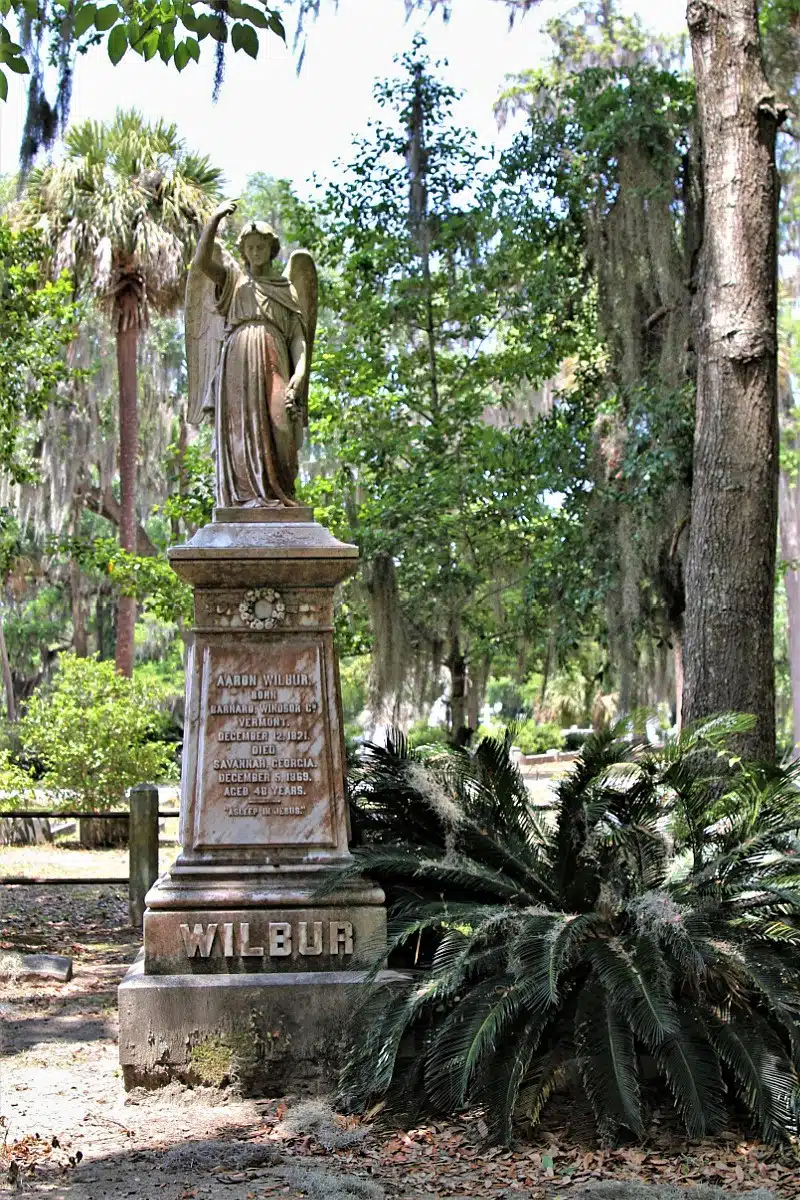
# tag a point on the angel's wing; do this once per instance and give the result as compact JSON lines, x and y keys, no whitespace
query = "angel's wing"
{"x":301,"y":272}
{"x":205,"y":330}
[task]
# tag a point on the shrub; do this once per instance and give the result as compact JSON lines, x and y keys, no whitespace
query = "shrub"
{"x":573,"y":950}
{"x":423,"y":734}
{"x":575,"y":738}
{"x":354,"y":677}
{"x":17,"y":786}
{"x":95,"y":733}
{"x":506,"y":692}
{"x":531,"y":738}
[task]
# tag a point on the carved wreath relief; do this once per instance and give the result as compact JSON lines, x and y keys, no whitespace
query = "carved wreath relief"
{"x":262,"y":608}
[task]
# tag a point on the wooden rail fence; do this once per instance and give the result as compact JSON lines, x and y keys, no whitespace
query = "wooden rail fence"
{"x":143,"y":821}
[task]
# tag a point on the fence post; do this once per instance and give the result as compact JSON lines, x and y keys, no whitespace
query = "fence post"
{"x":143,"y":848}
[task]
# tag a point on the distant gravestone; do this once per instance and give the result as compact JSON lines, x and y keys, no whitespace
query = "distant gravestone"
{"x":248,"y":951}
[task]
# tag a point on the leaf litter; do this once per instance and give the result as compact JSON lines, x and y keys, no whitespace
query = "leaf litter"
{"x":67,"y":1128}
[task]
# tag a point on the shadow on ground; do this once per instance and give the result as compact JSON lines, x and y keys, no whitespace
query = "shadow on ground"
{"x":238,"y":1168}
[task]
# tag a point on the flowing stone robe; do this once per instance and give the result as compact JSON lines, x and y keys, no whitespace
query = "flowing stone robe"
{"x":257,"y":440}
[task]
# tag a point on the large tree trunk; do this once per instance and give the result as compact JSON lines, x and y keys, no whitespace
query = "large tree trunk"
{"x":8,"y":683}
{"x":789,"y":526}
{"x":457,"y":665}
{"x":102,"y":832}
{"x":79,"y":639}
{"x":128,"y":453}
{"x":79,"y":642}
{"x":730,"y":571}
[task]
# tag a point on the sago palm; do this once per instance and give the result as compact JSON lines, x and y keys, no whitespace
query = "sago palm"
{"x":656,"y":920}
{"x":121,"y":211}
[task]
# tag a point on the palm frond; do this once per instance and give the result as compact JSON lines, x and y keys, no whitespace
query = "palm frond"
{"x":661,"y":914}
{"x":545,"y":945}
{"x":501,"y":1079}
{"x":692,"y":1071}
{"x":547,"y":1074}
{"x":607,"y":1061}
{"x":763,"y":1073}
{"x":637,"y":982}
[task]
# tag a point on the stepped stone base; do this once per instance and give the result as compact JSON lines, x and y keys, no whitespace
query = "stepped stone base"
{"x":258,"y":940}
{"x":263,"y":1030}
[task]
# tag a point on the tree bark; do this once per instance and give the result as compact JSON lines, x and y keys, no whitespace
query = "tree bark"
{"x":105,"y":504}
{"x":789,"y":527}
{"x":79,"y":639}
{"x":677,"y":659}
{"x":457,"y":665}
{"x":8,"y":683}
{"x":128,"y":453}
{"x":730,"y":570}
{"x":102,"y":832}
{"x":476,"y":692}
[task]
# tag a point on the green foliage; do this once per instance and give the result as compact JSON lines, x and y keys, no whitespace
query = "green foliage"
{"x":169,"y":29}
{"x":576,"y":949}
{"x":123,"y":240}
{"x":531,"y":738}
{"x":600,"y":192}
{"x":354,"y":678}
{"x":423,"y":734}
{"x":418,"y":453}
{"x":11,"y":542}
{"x":528,"y":737}
{"x":274,"y":201}
{"x":17,"y":786}
{"x":34,"y":625}
{"x":162,"y":671}
{"x":506,"y":692}
{"x":149,"y":578}
{"x":37,"y":321}
{"x":95,"y":733}
{"x":191,"y":473}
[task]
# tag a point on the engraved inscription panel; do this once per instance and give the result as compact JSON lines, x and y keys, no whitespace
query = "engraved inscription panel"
{"x":264,"y":768}
{"x":281,"y":939}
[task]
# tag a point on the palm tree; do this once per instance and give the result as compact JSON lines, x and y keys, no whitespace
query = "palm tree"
{"x":652,"y":927}
{"x":121,"y":212}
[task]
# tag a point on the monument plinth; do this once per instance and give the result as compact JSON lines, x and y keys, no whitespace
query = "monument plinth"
{"x":253,"y":945}
{"x":246,"y":905}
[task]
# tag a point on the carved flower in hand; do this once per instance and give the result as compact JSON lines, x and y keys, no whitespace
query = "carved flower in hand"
{"x":262,"y":608}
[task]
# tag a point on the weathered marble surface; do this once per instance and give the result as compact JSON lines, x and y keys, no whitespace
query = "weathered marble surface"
{"x":249,"y":345}
{"x":263,"y":767}
{"x":281,"y":1029}
{"x":235,"y":941}
{"x":254,"y":909}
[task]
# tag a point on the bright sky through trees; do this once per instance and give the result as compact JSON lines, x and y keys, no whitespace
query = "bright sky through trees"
{"x":313,"y":117}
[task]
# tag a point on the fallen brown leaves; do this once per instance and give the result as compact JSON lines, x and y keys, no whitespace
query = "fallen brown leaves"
{"x":21,"y":1160}
{"x":441,"y":1159}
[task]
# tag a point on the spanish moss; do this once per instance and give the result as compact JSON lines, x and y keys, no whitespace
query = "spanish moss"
{"x":45,"y":38}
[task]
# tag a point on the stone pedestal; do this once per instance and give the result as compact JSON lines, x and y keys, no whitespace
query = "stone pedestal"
{"x":251,"y":934}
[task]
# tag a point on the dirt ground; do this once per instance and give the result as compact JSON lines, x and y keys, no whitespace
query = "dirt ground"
{"x":68,"y":1129}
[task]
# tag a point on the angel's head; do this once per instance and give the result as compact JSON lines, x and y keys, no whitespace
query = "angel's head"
{"x":258,"y":244}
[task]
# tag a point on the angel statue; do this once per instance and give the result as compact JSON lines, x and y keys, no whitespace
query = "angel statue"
{"x":249,"y":340}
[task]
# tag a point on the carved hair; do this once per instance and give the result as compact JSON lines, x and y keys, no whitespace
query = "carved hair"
{"x":262,"y":229}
